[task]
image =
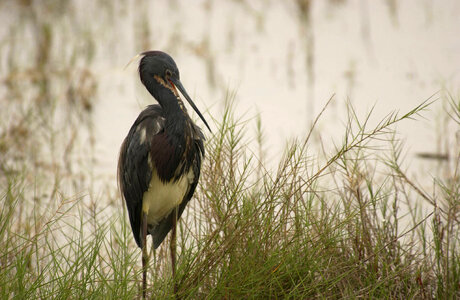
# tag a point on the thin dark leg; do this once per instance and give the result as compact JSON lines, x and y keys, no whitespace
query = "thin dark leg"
{"x":173,"y":251}
{"x":145,"y":256}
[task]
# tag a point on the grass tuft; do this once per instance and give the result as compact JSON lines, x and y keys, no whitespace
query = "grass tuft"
{"x":347,"y":223}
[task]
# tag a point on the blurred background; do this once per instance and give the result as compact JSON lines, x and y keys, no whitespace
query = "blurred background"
{"x":67,"y":98}
{"x":358,"y":212}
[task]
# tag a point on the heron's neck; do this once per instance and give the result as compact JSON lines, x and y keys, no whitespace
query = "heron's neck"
{"x":174,"y":111}
{"x":173,"y":108}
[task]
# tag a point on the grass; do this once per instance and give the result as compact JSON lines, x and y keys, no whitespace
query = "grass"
{"x":348,"y":223}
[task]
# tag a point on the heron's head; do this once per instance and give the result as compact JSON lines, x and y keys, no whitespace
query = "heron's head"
{"x":160,"y":75}
{"x":158,"y":70}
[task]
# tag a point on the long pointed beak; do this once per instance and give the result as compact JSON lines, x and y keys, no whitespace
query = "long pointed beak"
{"x":181,"y":88}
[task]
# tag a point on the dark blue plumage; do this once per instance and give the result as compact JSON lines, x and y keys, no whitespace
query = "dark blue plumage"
{"x":162,"y":153}
{"x":171,"y":158}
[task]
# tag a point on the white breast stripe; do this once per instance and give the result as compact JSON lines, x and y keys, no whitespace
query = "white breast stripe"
{"x":161,"y":198}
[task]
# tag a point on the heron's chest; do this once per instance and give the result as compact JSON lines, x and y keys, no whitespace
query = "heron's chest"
{"x":173,"y":152}
{"x":161,"y":198}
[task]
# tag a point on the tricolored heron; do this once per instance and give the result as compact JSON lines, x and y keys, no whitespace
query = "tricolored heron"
{"x":160,"y":159}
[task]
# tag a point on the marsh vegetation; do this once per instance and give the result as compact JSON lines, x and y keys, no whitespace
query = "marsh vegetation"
{"x":346,"y":220}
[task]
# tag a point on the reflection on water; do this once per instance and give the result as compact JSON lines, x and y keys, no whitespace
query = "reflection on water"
{"x":67,"y":101}
{"x":284,"y":59}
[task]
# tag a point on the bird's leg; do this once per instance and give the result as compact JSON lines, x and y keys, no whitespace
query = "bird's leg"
{"x":173,"y":250}
{"x":145,"y":256}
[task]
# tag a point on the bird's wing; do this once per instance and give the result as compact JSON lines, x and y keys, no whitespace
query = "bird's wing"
{"x":134,"y":172}
{"x":160,"y":231}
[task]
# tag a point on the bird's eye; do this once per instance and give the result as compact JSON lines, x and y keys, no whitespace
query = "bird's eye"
{"x":168,"y":73}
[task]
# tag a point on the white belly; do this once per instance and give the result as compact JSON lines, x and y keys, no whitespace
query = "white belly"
{"x":161,"y":198}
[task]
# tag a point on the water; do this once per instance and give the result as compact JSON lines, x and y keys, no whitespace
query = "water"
{"x":362,"y":52}
{"x":365,"y":52}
